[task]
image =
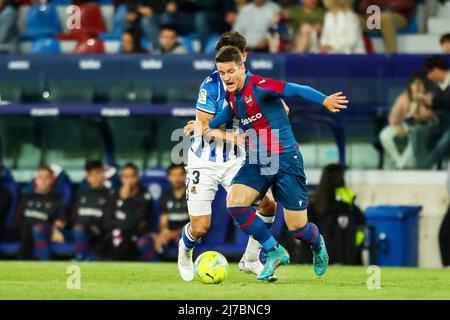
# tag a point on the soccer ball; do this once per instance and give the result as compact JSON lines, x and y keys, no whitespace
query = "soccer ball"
{"x":211,"y":267}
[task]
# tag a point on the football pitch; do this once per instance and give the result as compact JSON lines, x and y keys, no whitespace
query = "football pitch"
{"x":113,"y":280}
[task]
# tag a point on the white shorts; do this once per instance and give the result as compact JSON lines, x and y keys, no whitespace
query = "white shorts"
{"x":203,"y":179}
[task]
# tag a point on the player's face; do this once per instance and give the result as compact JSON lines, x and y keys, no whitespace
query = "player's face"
{"x":177,"y":177}
{"x":232,"y":74}
{"x":95,"y":178}
{"x":44,"y":181}
{"x":129,"y":177}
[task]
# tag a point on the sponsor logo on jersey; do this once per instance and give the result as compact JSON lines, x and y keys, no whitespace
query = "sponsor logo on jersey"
{"x":251,"y":119}
{"x":202,"y":96}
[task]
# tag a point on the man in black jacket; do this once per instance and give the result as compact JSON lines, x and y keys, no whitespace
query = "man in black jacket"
{"x":90,"y":210}
{"x":130,"y":215}
{"x":438,"y":73}
{"x":42,"y":217}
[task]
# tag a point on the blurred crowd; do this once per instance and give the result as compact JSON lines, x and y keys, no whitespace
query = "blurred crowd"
{"x":302,"y":26}
{"x":105,"y":222}
{"x":417,"y":135}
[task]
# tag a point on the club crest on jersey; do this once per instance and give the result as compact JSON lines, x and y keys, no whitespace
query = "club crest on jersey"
{"x":194,"y":190}
{"x":249,"y":100}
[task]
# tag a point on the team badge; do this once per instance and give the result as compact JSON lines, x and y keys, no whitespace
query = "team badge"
{"x":194,"y":190}
{"x":249,"y":100}
{"x":202,"y":96}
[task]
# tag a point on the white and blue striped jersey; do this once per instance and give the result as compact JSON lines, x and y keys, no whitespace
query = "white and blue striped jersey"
{"x":211,"y":99}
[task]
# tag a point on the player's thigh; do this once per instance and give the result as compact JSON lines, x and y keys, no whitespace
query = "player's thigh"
{"x":230,"y":170}
{"x":291,"y":191}
{"x":201,"y":188}
{"x":248,"y":186}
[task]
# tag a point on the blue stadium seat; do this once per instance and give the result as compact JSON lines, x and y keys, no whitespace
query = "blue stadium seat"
{"x":62,"y":2}
{"x":116,"y":33}
{"x":42,"y":20}
{"x":45,"y":46}
{"x":7,"y":181}
{"x":155,"y":181}
{"x":188,"y":41}
{"x":210,"y":47}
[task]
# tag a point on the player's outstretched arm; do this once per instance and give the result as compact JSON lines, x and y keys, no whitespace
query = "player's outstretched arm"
{"x":208,"y":125}
{"x":334,"y":102}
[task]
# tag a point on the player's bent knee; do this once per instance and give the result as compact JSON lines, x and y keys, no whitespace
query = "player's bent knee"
{"x":295,"y":219}
{"x":267,"y":206}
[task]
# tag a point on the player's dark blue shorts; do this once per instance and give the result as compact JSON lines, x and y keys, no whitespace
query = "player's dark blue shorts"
{"x":288,"y":184}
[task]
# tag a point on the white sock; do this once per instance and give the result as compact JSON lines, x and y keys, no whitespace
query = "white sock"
{"x":266,"y":219}
{"x":253,"y":249}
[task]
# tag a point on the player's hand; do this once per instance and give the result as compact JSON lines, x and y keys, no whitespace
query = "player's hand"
{"x":195,"y":126}
{"x":335,"y":102}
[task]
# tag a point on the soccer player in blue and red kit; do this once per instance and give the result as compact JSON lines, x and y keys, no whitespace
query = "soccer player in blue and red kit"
{"x":273,"y":158}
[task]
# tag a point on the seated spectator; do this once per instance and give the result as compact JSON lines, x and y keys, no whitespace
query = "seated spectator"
{"x":168,"y":41}
{"x":130,"y":216}
{"x":395,"y":14}
{"x":9,"y":33}
{"x":445,"y":43}
{"x":341,"y":32}
{"x":146,"y":16}
{"x":131,"y":42}
{"x":253,"y":22}
{"x":438,"y":73}
{"x":174,"y":213}
{"x":42,"y":217}
{"x":90,"y":210}
{"x":5,"y":204}
{"x":306,"y":21}
{"x":408,"y":115}
{"x":333,"y":208}
{"x":444,"y":231}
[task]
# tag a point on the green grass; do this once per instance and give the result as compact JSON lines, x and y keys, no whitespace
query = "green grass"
{"x":36,"y":280}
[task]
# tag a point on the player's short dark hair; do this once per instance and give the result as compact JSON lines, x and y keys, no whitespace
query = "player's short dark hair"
{"x":130,"y":165}
{"x":229,"y":54}
{"x":436,"y":62}
{"x":232,"y":38}
{"x":46,"y":168}
{"x":444,"y":38}
{"x":174,"y":166}
{"x":169,"y":26}
{"x":92,"y":165}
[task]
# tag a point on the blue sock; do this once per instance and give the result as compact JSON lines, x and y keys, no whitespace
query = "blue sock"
{"x":251,"y":224}
{"x":189,"y":241}
{"x":309,"y":233}
{"x":41,"y":240}
{"x":81,"y":243}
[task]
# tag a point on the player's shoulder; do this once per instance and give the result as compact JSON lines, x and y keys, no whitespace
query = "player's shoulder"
{"x":209,"y":93}
{"x":267,"y":83}
{"x":211,"y":82}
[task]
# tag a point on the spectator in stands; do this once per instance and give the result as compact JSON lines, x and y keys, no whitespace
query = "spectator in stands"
{"x":306,"y":21}
{"x":9,"y":33}
{"x":147,"y":16}
{"x":333,"y":208}
{"x":90,"y":211}
{"x":395,"y":14}
{"x":341,"y":32}
{"x":444,"y":232}
{"x":5,"y":204}
{"x":131,"y":41}
{"x":253,"y":22}
{"x":445,"y":43}
{"x":174,"y":213}
{"x":438,"y":73}
{"x":409,"y":115}
{"x":130,"y":216}
{"x":168,"y":41}
{"x":42,"y":217}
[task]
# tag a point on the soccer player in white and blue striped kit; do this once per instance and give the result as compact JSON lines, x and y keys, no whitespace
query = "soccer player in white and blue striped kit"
{"x":214,"y":162}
